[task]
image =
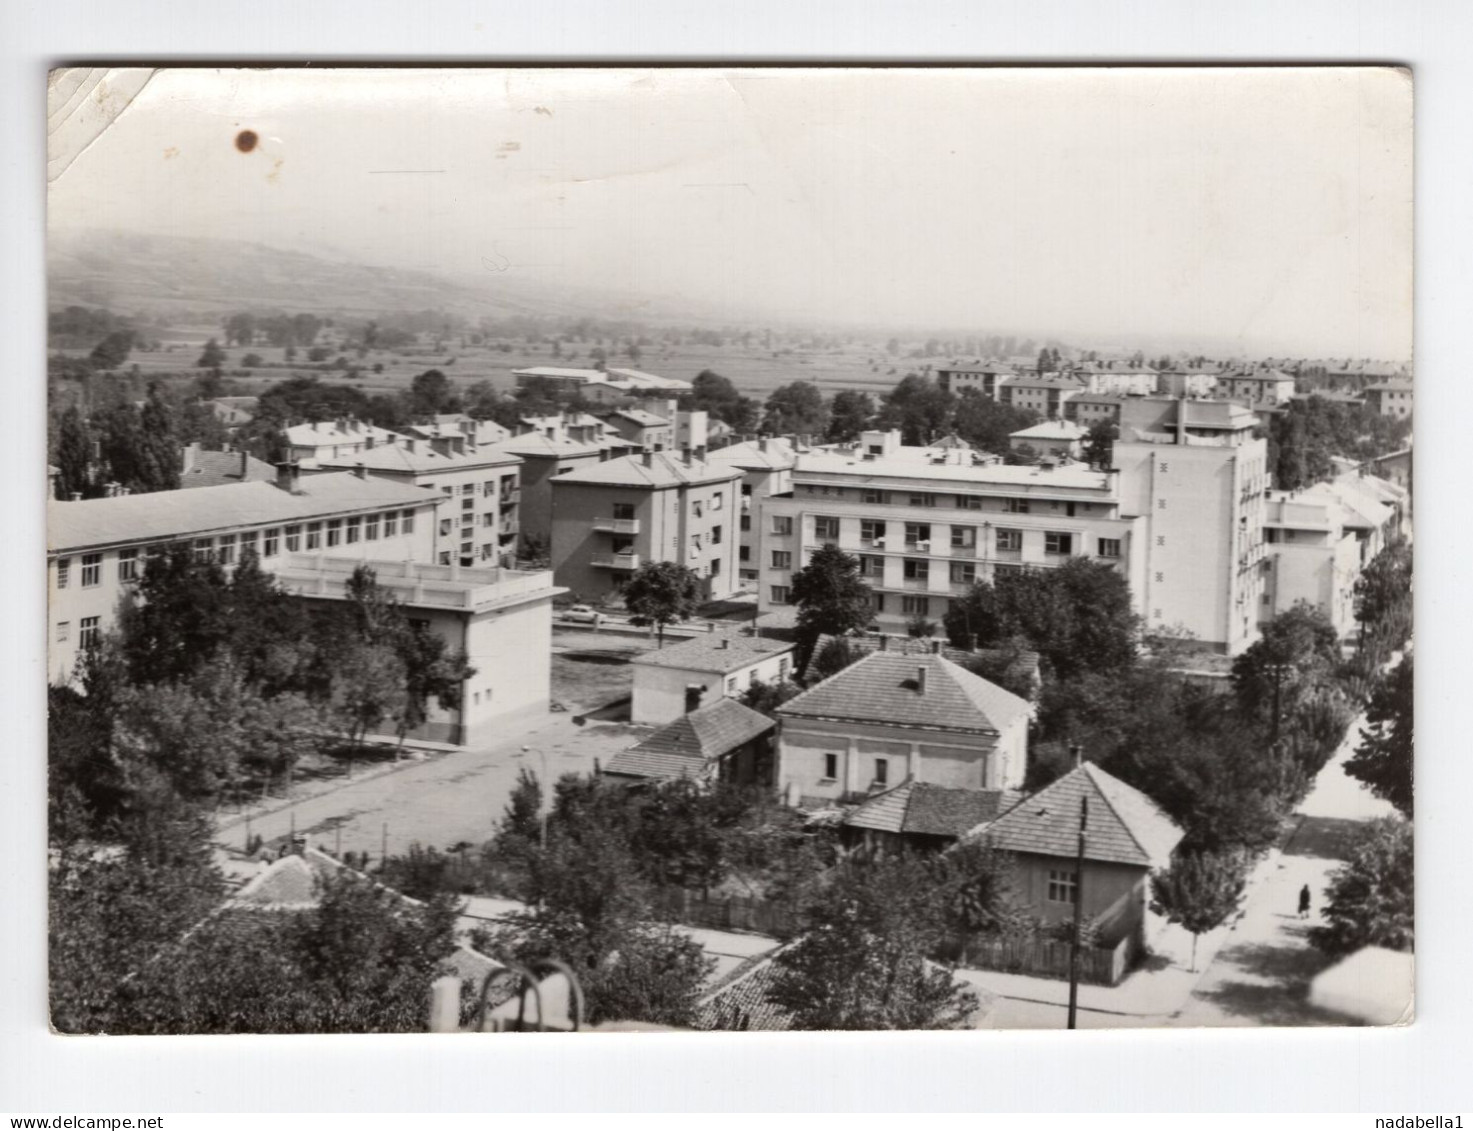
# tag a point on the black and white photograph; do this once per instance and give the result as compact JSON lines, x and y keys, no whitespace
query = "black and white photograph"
{"x":742,"y":549}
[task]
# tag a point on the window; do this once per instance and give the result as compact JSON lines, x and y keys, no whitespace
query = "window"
{"x":1062,"y":886}
{"x":877,"y":602}
{"x":1069,"y":509}
{"x":882,"y":771}
{"x":782,"y":524}
{"x":63,"y":630}
{"x":915,"y":606}
{"x":1015,"y":506}
{"x":468,"y":489}
{"x":715,"y":567}
{"x":293,"y":539}
{"x":624,"y":510}
{"x":488,"y":551}
{"x":1109,"y":547}
{"x":964,"y":538}
{"x":715,"y":502}
{"x":271,"y":544}
{"x":128,"y":565}
{"x":744,"y":553}
{"x":63,"y":572}
{"x":871,"y":566}
{"x":314,"y":536}
{"x":779,"y":594}
{"x":488,"y":519}
{"x":226,"y":555}
{"x":91,"y":634}
{"x":467,"y":504}
{"x":1056,"y":543}
{"x":731,"y":685}
{"x":444,"y":557}
{"x":917,"y":534}
{"x":391,"y":524}
{"x":448,"y":490}
{"x":715,"y":535}
{"x":922,"y":500}
{"x":699,"y":509}
{"x":248,"y":543}
{"x":746,"y":523}
{"x":203,"y":548}
{"x":830,"y":767}
{"x":782,"y":559}
{"x":871,"y":530}
{"x":826,"y":528}
{"x":334,"y":531}
{"x":969,"y":502}
{"x":782,"y":669}
{"x":407,"y":523}
{"x":917,"y":569}
{"x":1160,"y":504}
{"x":488,"y":488}
{"x":869,"y":495}
{"x":91,"y":571}
{"x":963,"y":573}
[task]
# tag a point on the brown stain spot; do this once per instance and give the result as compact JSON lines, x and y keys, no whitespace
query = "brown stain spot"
{"x":172,"y":151}
{"x":275,"y":175}
{"x":245,"y":141}
{"x":542,"y":110}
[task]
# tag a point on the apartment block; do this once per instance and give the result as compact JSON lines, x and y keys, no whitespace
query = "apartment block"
{"x":1046,"y":394}
{"x":1197,"y":479}
{"x":927,"y":523}
{"x":1119,"y":380}
{"x":1186,"y":382}
{"x":609,"y":518}
{"x":334,"y":439}
{"x":1390,"y":398}
{"x":766,"y":465}
{"x":1089,"y":409}
{"x":1255,"y":386}
{"x":1313,"y":555}
{"x":983,"y":376}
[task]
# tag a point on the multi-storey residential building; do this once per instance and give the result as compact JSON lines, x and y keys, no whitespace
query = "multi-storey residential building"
{"x":983,"y":376}
{"x":1390,"y":398}
{"x":478,"y":524}
{"x":449,"y":432}
{"x":1089,"y":409}
{"x":97,"y":548}
{"x":1255,"y":386}
{"x":1194,"y":474}
{"x":1186,"y":382}
{"x":1046,"y":394}
{"x":334,"y":439}
{"x":767,"y":469}
{"x":1312,"y":556}
{"x":500,"y":618}
{"x":644,"y":430}
{"x":609,"y":518}
{"x":1120,"y":380}
{"x":926,"y":523}
{"x":1063,"y":438}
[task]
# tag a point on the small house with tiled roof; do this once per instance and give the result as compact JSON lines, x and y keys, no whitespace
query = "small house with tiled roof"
{"x":889,"y":718}
{"x":1126,"y":836}
{"x":725,"y":739}
{"x":674,"y":680}
{"x":1015,"y":669}
{"x":917,"y":814}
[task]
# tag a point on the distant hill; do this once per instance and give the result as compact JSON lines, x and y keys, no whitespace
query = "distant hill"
{"x":157,"y":275}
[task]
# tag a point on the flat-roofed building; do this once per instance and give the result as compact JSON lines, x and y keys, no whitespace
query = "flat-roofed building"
{"x":1312,"y":555}
{"x":610,"y":518}
{"x":629,"y":382}
{"x":97,"y":548}
{"x":927,"y":523}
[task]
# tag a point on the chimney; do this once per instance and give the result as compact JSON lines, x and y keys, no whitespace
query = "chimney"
{"x":710,"y":626}
{"x":762,"y":445}
{"x":884,"y":642}
{"x":935,"y":647}
{"x":76,"y":496}
{"x":245,"y":462}
{"x":360,"y":471}
{"x":700,"y":454}
{"x":288,"y":476}
{"x":648,"y":459}
{"x":369,"y":442}
{"x":921,"y":679}
{"x":685,"y":455}
{"x":412,"y":444}
{"x":725,"y":643}
{"x":1076,"y":752}
{"x":191,"y":453}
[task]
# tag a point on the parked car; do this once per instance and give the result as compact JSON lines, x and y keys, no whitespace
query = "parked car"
{"x":583,"y":614}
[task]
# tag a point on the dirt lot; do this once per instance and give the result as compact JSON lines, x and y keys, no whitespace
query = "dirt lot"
{"x":590,"y":669}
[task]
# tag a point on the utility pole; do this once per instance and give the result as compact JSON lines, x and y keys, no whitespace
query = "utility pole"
{"x":1078,"y":913}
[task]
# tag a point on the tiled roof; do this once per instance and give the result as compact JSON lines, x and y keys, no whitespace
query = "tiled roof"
{"x":1125,"y":826}
{"x":663,"y":470}
{"x":1045,"y":381}
{"x":1398,"y":386}
{"x":337,"y":432}
{"x":1022,"y":664}
{"x":932,"y":810}
{"x":641,"y":417}
{"x":749,"y":454}
{"x":534,"y":444}
{"x":1051,"y":430}
{"x":424,"y":460}
{"x":687,"y":747}
{"x":163,"y":515}
{"x":1097,"y":398}
{"x":977,"y":367}
{"x":884,"y":688}
{"x":212,"y":469}
{"x":715,"y":652}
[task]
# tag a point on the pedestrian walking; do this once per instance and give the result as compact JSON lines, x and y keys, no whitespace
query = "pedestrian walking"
{"x":1304,"y":902}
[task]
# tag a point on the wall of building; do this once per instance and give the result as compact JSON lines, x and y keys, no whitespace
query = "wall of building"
{"x":535,"y":511}
{"x":1115,"y":892}
{"x":1323,"y":573}
{"x":660,"y":692}
{"x":511,"y":650}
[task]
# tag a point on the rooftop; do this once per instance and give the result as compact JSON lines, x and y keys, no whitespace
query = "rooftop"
{"x":329,"y":432}
{"x":416,"y":584}
{"x":931,"y":810}
{"x":641,"y":417}
{"x":421,"y":459}
{"x":921,"y":463}
{"x":535,"y":444}
{"x":161,"y":516}
{"x":886,"y":688}
{"x":1051,"y":430}
{"x":688,"y":746}
{"x":1125,"y":826}
{"x":1021,"y":663}
{"x":1045,"y":381}
{"x":719,"y":652}
{"x":774,"y":453}
{"x":213,"y":469}
{"x":651,"y":469}
{"x":1398,"y":386}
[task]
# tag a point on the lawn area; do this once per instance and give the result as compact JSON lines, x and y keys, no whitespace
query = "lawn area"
{"x":589,"y":670}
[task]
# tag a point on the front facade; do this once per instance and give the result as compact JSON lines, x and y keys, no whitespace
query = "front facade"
{"x":98,"y":548}
{"x":1089,"y":409}
{"x":766,"y":465}
{"x":889,"y":718}
{"x":1046,"y":394}
{"x":1195,"y":383}
{"x":550,"y":447}
{"x":926,"y":524}
{"x":724,"y":740}
{"x":1060,"y":438}
{"x":672,"y":681}
{"x":610,"y":518}
{"x":986,"y":377}
{"x":1391,"y":398}
{"x":1197,"y":480}
{"x":1255,"y":387}
{"x":1121,"y":381}
{"x":335,"y":439}
{"x":1312,"y":557}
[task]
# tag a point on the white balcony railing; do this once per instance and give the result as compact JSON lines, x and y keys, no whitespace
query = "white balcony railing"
{"x":615,"y":561}
{"x":617,"y":525}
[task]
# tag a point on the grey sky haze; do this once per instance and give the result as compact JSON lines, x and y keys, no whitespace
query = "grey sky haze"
{"x":1268,"y":209}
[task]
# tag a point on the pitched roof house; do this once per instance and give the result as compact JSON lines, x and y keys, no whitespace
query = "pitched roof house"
{"x":725,"y":738}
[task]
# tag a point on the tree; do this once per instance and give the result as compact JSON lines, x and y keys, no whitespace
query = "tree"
{"x":833,"y":658}
{"x":113,"y":350}
{"x":850,"y":413}
{"x":862,"y":962}
{"x":1371,"y":898}
{"x":796,"y":409}
{"x":831,"y":596}
{"x":431,"y":393}
{"x":987,"y":424}
{"x":1383,"y":593}
{"x":1294,"y":655}
{"x":1199,"y":891}
{"x":158,"y":452}
{"x":766,"y":697}
{"x":1099,"y":443}
{"x":661,"y":593}
{"x":368,"y":688}
{"x":213,"y":356}
{"x":73,"y":456}
{"x":1383,"y":760}
{"x":919,"y":407}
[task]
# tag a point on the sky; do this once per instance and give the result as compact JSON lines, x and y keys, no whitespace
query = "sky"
{"x":1267,"y":211}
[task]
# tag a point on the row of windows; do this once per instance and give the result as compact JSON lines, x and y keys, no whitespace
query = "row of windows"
{"x":882,"y":497}
{"x":89,"y":632}
{"x":918,"y":537}
{"x":831,"y":769}
{"x":503,"y":486}
{"x":267,"y":543}
{"x":733,"y":682}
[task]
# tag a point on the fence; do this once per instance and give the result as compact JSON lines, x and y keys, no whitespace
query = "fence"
{"x":1099,"y":966}
{"x":734,"y":913}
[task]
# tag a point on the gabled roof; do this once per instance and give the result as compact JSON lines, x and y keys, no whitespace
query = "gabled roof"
{"x":932,"y":810}
{"x":212,"y":469}
{"x":337,"y":432}
{"x":1125,"y":826}
{"x":1045,"y":381}
{"x":1051,"y":430}
{"x":885,"y":688}
{"x":1022,"y":664}
{"x":642,"y":417}
{"x":692,"y":743}
{"x":423,"y":460}
{"x":1396,"y":386}
{"x":749,"y":454}
{"x":535,"y":445}
{"x":653,"y":469}
{"x":719,"y":652}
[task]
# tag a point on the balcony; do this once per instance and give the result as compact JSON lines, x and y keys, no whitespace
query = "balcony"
{"x":615,"y":561}
{"x":1008,"y":555}
{"x":617,"y":525}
